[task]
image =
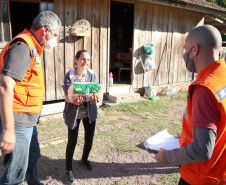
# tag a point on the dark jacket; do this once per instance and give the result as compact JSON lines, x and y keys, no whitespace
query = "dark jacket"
{"x":71,"y":110}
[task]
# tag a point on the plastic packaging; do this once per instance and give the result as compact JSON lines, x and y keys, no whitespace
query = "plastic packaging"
{"x":171,"y":89}
{"x":149,"y":63}
{"x":111,"y":79}
{"x":86,"y":90}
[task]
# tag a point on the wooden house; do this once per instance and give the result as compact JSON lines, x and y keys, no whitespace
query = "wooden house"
{"x":116,"y":26}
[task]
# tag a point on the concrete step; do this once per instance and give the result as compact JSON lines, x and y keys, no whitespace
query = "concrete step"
{"x":55,"y":108}
{"x":52,"y":108}
{"x":124,"y":97}
{"x":119,"y":88}
{"x":108,"y":103}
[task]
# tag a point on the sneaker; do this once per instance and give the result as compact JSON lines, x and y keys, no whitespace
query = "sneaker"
{"x":69,"y":177}
{"x":87,"y":165}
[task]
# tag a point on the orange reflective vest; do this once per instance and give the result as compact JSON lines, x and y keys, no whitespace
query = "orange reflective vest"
{"x":29,"y":93}
{"x":212,"y":171}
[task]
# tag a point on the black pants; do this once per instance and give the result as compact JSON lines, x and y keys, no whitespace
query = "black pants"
{"x":182,"y":182}
{"x":72,"y":141}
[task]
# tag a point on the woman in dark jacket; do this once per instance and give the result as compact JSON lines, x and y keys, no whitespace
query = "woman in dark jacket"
{"x":79,"y":110}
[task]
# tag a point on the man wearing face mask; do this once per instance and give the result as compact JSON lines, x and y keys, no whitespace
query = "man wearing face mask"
{"x":21,"y":97}
{"x":202,"y":156}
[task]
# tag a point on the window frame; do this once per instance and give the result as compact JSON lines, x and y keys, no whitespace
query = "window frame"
{"x":3,"y":42}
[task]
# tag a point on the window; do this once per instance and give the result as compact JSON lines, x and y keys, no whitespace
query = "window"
{"x":46,"y":6}
{"x":5,"y":32}
{"x":15,"y":16}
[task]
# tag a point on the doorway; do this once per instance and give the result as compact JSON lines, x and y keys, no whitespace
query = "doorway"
{"x":121,"y":41}
{"x":22,"y":15}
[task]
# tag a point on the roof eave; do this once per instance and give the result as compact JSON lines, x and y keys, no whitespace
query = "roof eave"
{"x":189,"y":6}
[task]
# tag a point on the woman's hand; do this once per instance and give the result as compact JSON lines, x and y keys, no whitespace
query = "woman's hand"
{"x":78,"y":100}
{"x":94,"y":99}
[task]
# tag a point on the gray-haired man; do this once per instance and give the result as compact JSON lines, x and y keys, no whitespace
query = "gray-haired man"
{"x":21,"y":97}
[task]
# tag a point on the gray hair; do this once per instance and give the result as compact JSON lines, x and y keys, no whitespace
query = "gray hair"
{"x":46,"y":19}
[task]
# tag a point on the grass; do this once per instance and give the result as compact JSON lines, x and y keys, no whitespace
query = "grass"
{"x":119,"y":129}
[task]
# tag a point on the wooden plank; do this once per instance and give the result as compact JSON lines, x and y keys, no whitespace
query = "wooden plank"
{"x":158,"y":42}
{"x":163,"y":62}
{"x":44,"y":74}
{"x":96,"y":37}
{"x":78,"y":15}
{"x":69,"y":40}
{"x":139,"y":41}
{"x":88,"y":13}
{"x":174,"y":54}
{"x":177,"y":65}
{"x":59,"y":51}
{"x":169,"y":49}
{"x":192,"y":24}
{"x":48,"y":61}
{"x":135,"y":47}
{"x":181,"y":76}
{"x":104,"y":68}
{"x":108,"y":48}
{"x":148,"y":40}
{"x":80,"y":8}
{"x":156,"y":35}
{"x":142,"y":42}
{"x":50,"y":75}
{"x":189,"y":27}
{"x":162,"y":76}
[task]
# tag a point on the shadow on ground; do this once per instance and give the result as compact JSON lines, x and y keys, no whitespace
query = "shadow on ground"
{"x":55,"y":169}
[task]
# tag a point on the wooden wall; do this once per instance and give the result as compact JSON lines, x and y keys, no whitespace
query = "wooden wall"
{"x":166,"y":28}
{"x":61,"y":59}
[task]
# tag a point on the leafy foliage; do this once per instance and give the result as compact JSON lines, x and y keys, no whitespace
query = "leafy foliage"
{"x":218,"y":2}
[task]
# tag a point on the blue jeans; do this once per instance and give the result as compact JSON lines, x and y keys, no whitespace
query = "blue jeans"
{"x":21,"y":162}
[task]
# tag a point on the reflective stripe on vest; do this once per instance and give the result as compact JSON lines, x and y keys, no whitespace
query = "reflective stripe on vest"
{"x":221,"y":94}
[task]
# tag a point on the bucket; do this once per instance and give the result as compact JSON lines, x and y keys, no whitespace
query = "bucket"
{"x":150,"y":91}
{"x":148,"y":49}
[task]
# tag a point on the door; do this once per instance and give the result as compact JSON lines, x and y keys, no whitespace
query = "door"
{"x":22,"y":15}
{"x":121,"y":41}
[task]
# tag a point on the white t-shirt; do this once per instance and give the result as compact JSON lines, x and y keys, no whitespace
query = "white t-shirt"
{"x":82,"y":112}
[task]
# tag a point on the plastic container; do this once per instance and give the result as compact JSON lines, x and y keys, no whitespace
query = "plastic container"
{"x":86,"y":90}
{"x":148,"y":49}
{"x":171,"y":89}
{"x":150,"y":91}
{"x":110,"y":79}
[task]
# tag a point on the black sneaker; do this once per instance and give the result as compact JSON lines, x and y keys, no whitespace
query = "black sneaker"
{"x":69,"y":177}
{"x":87,"y":165}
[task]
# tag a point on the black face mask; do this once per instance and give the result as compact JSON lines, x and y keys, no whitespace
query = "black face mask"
{"x":190,"y":65}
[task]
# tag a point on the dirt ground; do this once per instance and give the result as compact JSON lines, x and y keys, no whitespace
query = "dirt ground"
{"x":136,"y":168}
{"x":120,"y":168}
{"x":116,"y":168}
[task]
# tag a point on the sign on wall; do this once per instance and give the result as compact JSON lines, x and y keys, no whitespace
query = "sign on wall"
{"x":81,"y":28}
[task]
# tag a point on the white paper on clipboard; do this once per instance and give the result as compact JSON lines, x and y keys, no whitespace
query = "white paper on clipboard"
{"x":162,"y":140}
